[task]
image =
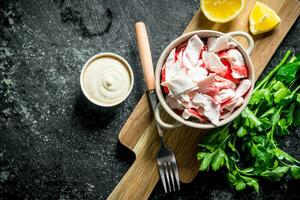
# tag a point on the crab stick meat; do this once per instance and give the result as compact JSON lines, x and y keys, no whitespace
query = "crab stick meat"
{"x":243,"y":88}
{"x":179,"y":84}
{"x":216,"y":44}
{"x":197,"y":74}
{"x":211,"y":110}
{"x":233,"y":104}
{"x":207,"y":85}
{"x":213,"y":63}
{"x":224,"y":95}
{"x":193,"y":49}
{"x":237,"y":63}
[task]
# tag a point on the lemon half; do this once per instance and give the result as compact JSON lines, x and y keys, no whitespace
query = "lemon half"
{"x":222,"y":11}
{"x":263,"y":19}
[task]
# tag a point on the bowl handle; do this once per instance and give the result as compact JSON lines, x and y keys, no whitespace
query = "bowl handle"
{"x":162,"y":123}
{"x":245,"y":35}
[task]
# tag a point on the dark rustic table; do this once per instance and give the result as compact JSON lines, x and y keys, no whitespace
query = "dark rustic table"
{"x":56,"y":145}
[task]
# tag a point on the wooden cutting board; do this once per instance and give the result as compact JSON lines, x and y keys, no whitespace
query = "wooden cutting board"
{"x":140,"y":134}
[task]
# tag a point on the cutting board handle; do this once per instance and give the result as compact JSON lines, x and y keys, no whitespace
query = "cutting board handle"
{"x":138,"y":182}
{"x":145,"y":54}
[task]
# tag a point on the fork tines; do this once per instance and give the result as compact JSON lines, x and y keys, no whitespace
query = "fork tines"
{"x":168,"y":172}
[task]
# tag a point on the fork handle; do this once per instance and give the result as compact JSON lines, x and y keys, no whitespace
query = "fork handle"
{"x":138,"y":182}
{"x":145,"y":54}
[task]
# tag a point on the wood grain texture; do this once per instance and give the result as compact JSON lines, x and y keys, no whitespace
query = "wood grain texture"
{"x":136,"y":124}
{"x":139,"y":132}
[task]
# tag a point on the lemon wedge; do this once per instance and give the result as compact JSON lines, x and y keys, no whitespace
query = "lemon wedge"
{"x":263,"y":19}
{"x":222,"y":11}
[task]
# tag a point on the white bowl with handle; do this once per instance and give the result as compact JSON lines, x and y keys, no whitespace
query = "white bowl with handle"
{"x":202,"y":34}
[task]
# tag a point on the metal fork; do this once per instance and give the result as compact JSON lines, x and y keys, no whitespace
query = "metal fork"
{"x":167,"y":165}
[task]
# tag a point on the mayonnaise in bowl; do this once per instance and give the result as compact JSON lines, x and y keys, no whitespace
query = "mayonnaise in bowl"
{"x":106,"y":79}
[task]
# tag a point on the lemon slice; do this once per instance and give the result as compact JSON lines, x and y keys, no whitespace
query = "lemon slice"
{"x":222,"y":11}
{"x":263,"y":19}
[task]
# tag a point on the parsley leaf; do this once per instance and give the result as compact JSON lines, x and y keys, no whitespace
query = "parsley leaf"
{"x":250,"y":120}
{"x":295,"y":171}
{"x":287,"y":73}
{"x":218,"y":160}
{"x":276,"y":174}
{"x":262,"y":95}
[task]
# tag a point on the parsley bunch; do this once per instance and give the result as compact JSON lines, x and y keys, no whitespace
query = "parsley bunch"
{"x":247,"y":148}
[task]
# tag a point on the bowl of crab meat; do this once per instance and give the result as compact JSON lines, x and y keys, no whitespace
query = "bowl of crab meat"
{"x":204,"y":79}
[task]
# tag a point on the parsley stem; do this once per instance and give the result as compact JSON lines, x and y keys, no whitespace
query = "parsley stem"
{"x":257,"y":109}
{"x":241,"y":171}
{"x":290,"y":157}
{"x":297,"y":88}
{"x":229,"y":135}
{"x":287,"y":164}
{"x":271,"y":74}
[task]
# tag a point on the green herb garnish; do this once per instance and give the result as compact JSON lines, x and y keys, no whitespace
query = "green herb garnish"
{"x":247,"y":148}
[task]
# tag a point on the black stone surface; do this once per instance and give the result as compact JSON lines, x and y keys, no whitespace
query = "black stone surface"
{"x":56,"y":145}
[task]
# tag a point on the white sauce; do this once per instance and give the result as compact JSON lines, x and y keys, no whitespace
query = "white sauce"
{"x":107,"y":80}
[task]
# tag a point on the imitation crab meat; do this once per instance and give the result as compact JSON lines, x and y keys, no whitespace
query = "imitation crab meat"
{"x":205,"y":82}
{"x":216,"y":44}
{"x":193,"y":49}
{"x":179,"y":84}
{"x":237,"y":63}
{"x":213,"y":63}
